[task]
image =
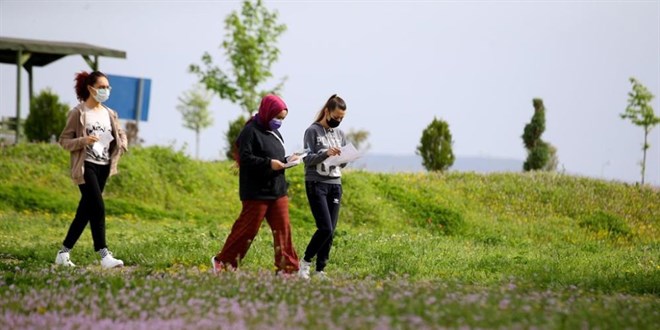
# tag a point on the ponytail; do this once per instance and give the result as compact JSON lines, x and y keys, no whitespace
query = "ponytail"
{"x":84,"y":79}
{"x":334,"y":102}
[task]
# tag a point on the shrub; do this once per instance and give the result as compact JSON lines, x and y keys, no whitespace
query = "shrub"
{"x":601,"y":221}
{"x":47,"y":117}
{"x":435,"y":146}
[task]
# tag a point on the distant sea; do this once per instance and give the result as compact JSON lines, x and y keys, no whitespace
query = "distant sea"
{"x":413,"y":163}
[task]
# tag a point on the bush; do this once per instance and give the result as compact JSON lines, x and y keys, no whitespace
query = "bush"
{"x":435,"y":146}
{"x":601,"y":221}
{"x":47,"y":117}
{"x":443,"y":220}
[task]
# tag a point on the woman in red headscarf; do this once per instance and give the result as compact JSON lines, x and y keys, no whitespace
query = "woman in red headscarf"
{"x":262,"y":189}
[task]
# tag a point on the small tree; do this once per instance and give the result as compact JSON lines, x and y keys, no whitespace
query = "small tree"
{"x":47,"y":117}
{"x":250,"y":45}
{"x":435,"y":146}
{"x":232,"y":134}
{"x":358,"y":138}
{"x":540,"y":154}
{"x":194,"y":107}
{"x":640,"y":113}
{"x":132,"y":133}
{"x":553,"y":160}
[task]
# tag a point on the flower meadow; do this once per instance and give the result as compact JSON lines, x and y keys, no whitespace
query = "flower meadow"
{"x":189,"y":298}
{"x":411,"y":251}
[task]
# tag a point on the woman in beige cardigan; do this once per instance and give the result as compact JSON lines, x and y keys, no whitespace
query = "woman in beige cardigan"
{"x":96,"y":141}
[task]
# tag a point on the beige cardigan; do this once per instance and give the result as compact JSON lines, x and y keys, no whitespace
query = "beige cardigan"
{"x":73,"y":139}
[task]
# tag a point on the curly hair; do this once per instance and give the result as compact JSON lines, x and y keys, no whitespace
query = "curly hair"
{"x":84,"y":79}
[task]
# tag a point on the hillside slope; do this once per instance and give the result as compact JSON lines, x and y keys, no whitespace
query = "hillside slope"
{"x":160,"y":183}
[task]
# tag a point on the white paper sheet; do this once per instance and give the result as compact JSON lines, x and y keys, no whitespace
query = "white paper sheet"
{"x":105,"y":138}
{"x":104,"y":142}
{"x":348,"y":154}
{"x":300,"y":154}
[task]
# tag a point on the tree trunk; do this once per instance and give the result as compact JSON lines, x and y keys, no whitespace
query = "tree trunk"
{"x":197,"y":147}
{"x":646,"y":146}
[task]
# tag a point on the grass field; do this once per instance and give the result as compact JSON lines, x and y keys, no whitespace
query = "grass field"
{"x":412,"y":251}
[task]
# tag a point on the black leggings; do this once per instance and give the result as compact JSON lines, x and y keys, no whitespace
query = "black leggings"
{"x":324,"y":200}
{"x":91,"y":207}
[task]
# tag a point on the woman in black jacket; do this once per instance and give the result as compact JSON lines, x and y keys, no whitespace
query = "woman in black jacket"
{"x":262,"y":189}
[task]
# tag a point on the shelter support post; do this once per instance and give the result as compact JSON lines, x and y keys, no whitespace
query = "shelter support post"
{"x":93,"y":63}
{"x":21,"y":58}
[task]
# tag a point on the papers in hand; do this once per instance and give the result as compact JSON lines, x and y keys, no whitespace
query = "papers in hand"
{"x":104,"y":142}
{"x":295,"y":158}
{"x":347,"y":155}
{"x":105,"y":138}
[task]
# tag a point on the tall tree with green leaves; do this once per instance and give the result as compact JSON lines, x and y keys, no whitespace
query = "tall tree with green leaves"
{"x":250,"y":45}
{"x":640,"y":113}
{"x":436,"y":146}
{"x":47,"y":117}
{"x":540,"y":154}
{"x":194,"y":107}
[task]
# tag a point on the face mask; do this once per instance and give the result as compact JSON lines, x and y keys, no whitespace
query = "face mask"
{"x":102,"y":94}
{"x":275,"y":124}
{"x":333,"y":122}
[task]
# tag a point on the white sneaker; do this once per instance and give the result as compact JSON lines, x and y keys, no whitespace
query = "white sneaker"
{"x":321,"y":276}
{"x":63,"y":259}
{"x":110,"y":262}
{"x":215,"y":266}
{"x":303,"y":272}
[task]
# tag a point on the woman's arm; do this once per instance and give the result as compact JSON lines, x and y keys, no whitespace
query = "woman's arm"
{"x":317,"y":154}
{"x":68,"y":139}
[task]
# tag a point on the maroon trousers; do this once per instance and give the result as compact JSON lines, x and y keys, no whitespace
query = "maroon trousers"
{"x":247,"y":226}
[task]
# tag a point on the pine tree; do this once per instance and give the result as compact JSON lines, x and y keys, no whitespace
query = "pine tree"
{"x":540,"y":154}
{"x":435,"y":146}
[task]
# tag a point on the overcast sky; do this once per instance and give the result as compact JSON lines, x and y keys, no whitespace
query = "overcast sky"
{"x":398,"y":64}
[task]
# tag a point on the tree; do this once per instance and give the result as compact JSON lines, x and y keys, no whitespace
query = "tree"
{"x":640,"y":113}
{"x":250,"y":45}
{"x":132,"y":133}
{"x":194,"y":107}
{"x":540,"y":154}
{"x":553,"y":160}
{"x":358,"y":138}
{"x":435,"y":146}
{"x":231,"y":135}
{"x":47,"y":117}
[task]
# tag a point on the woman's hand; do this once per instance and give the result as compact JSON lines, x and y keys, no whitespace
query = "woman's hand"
{"x":276,"y":165}
{"x":333,"y":151}
{"x":90,"y":139}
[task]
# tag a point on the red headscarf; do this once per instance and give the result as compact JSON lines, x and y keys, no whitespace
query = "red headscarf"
{"x":271,"y":106}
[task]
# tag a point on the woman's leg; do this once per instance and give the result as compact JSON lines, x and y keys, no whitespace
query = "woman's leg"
{"x":333,"y":202}
{"x":242,"y":233}
{"x":286,"y":259}
{"x":317,"y":196}
{"x":97,"y":177}
{"x":86,"y":207}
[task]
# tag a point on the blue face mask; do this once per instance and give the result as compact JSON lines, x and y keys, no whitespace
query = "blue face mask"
{"x":274,"y":124}
{"x":102,"y":94}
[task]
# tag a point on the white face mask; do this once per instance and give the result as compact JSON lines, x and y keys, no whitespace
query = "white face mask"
{"x":102,"y":94}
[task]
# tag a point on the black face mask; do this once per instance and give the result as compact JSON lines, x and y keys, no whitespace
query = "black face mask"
{"x":333,"y":122}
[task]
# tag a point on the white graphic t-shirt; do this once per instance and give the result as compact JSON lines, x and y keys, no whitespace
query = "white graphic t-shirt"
{"x":97,"y":123}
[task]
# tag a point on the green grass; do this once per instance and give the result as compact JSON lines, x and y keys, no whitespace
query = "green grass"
{"x":458,"y":249}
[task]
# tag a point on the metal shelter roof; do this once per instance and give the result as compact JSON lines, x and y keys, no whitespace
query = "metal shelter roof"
{"x":28,"y":53}
{"x":44,"y":52}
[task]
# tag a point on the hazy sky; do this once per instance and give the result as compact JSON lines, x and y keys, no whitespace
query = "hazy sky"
{"x":398,"y":64}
